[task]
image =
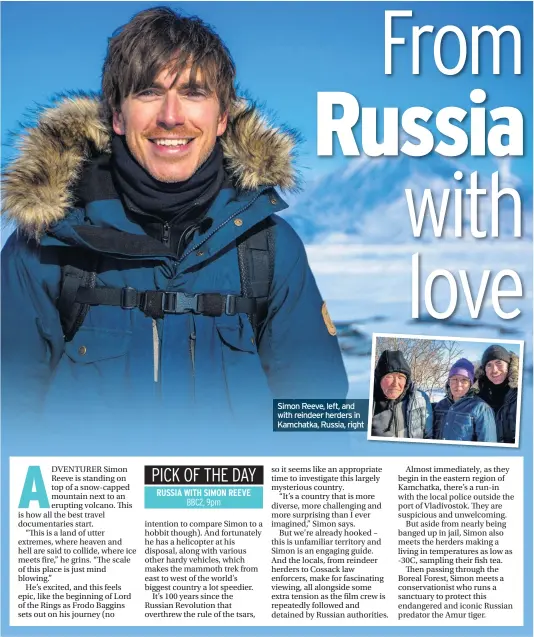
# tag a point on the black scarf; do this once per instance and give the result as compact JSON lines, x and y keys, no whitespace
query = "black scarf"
{"x":494,"y":395}
{"x":166,"y":201}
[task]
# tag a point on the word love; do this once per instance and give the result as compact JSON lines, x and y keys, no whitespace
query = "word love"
{"x":474,"y":302}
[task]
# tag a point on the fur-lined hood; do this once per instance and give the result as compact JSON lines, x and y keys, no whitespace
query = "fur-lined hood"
{"x":513,"y":372}
{"x":38,"y":186}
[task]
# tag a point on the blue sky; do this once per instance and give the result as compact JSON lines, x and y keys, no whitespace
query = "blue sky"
{"x":285,"y":53}
{"x":473,"y":351}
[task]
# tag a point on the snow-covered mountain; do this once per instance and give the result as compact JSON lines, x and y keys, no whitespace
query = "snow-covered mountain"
{"x":366,"y":202}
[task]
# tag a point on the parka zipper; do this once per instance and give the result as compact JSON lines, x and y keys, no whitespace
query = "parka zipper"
{"x":156,"y":349}
{"x":192,"y":335}
{"x":166,"y":233}
{"x":192,"y":343}
{"x":192,"y":346}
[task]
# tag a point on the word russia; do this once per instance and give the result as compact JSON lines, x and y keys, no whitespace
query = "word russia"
{"x":504,"y":137}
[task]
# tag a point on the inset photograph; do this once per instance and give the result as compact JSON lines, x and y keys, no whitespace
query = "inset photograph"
{"x":448,"y":390}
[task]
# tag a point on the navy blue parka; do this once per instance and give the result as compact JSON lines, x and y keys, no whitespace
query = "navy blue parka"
{"x":124,"y":369}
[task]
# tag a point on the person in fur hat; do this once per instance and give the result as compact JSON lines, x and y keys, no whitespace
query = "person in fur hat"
{"x":400,"y":410}
{"x":462,"y":415}
{"x":151,"y":287}
{"x":497,"y":379}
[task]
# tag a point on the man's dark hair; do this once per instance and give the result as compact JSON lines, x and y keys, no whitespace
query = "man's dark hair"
{"x":160,"y":38}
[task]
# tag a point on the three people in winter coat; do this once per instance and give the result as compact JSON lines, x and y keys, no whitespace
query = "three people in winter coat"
{"x":479,"y":406}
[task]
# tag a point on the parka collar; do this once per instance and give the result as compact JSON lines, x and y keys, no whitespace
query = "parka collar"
{"x":232,"y":213}
{"x":39,"y":185}
{"x":472,"y":393}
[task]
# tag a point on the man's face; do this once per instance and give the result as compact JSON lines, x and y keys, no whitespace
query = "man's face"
{"x":497,"y":371}
{"x":459,"y":386}
{"x":393,"y":385}
{"x":170,"y":128}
